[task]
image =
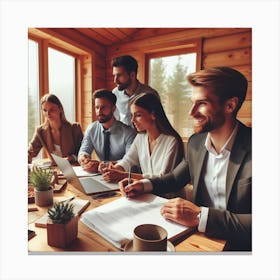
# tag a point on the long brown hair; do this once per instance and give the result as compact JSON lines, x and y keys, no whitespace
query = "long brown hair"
{"x":49,"y":97}
{"x":151,"y":103}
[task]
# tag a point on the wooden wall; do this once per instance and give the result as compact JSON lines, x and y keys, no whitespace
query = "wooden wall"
{"x":220,"y":47}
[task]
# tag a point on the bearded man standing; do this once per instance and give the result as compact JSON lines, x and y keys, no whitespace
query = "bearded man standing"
{"x":125,"y":77}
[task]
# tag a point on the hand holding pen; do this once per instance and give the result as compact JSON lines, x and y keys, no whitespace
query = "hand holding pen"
{"x":130,"y":187}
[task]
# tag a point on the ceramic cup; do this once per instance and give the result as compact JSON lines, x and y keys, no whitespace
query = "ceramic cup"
{"x":149,"y":237}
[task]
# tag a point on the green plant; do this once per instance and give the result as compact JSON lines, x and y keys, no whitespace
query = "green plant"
{"x":40,"y":178}
{"x":61,"y":213}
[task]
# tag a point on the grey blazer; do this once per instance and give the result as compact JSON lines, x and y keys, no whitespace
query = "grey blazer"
{"x":235,"y":223}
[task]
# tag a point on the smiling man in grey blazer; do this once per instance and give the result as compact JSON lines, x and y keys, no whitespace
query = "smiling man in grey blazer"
{"x":218,"y":163}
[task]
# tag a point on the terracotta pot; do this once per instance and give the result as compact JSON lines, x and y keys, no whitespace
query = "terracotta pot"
{"x":61,"y":235}
{"x":43,"y":198}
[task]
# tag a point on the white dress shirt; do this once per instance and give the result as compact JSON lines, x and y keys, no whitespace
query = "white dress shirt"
{"x":215,"y":177}
{"x":163,"y":159}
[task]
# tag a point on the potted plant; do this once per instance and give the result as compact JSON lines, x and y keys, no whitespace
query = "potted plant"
{"x":62,"y":225}
{"x":41,"y":181}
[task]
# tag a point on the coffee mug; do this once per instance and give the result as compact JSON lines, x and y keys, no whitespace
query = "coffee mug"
{"x":149,"y":237}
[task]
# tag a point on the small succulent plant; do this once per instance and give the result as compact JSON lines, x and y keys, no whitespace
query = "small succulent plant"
{"x":61,"y":213}
{"x":40,"y":178}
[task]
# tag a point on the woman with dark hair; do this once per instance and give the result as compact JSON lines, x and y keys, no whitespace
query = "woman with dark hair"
{"x":157,"y":148}
{"x":56,"y":135}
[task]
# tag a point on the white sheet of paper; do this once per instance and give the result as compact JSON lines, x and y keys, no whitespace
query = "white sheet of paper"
{"x":116,"y":221}
{"x":80,"y":172}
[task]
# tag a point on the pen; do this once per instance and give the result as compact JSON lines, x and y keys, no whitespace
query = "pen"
{"x":104,"y":195}
{"x":129,"y":176}
{"x":67,"y":200}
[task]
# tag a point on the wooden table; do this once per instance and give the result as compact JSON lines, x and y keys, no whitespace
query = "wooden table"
{"x":90,"y":241}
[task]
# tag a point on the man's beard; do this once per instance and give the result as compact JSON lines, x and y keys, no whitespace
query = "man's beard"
{"x":105,"y":118}
{"x":217,"y":121}
{"x":124,"y":85}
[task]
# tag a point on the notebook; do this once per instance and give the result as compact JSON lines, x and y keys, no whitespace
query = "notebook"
{"x":79,"y":207}
{"x":88,"y":185}
{"x":115,"y":221}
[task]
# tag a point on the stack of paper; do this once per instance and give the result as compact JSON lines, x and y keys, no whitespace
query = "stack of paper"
{"x":116,"y":221}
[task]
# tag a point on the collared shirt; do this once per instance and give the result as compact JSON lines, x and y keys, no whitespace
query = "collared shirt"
{"x":215,"y":173}
{"x":122,"y":111}
{"x":121,"y":138}
{"x":164,"y":158}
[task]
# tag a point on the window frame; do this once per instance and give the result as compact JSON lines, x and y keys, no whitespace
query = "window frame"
{"x":190,"y":46}
{"x":44,"y":42}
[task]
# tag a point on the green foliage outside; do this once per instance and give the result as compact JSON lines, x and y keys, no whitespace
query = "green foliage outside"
{"x":174,"y":92}
{"x":31,"y":117}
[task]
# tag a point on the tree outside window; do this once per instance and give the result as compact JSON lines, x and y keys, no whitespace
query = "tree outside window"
{"x":168,"y":77}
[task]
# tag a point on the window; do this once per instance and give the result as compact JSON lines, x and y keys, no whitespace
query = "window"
{"x":62,"y":80}
{"x":33,"y":88}
{"x":167,"y":74}
{"x":59,"y":67}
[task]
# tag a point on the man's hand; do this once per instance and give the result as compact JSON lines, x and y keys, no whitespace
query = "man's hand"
{"x":88,"y":164}
{"x":181,"y":211}
{"x":131,"y":190}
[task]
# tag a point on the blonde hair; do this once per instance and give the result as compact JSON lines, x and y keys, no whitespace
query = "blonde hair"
{"x":49,"y":97}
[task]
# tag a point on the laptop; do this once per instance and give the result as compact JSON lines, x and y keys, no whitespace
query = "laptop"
{"x":88,"y":185}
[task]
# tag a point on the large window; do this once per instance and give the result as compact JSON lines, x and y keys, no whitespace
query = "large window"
{"x":33,"y":88}
{"x":62,"y":80}
{"x":167,"y":74}
{"x":51,"y":69}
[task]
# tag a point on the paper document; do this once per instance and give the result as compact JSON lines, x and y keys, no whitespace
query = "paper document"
{"x":80,"y":172}
{"x":116,"y":221}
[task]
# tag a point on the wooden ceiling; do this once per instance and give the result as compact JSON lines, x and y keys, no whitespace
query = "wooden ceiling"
{"x":112,"y":36}
{"x":97,"y":38}
{"x":108,"y":36}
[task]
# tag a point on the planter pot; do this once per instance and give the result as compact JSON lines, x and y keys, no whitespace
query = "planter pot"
{"x":44,"y":198}
{"x":61,"y":235}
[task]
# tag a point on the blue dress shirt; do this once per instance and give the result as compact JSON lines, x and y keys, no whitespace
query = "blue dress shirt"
{"x":121,"y":138}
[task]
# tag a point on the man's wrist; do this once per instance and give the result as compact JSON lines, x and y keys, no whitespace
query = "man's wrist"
{"x":203,"y":216}
{"x":147,"y":185}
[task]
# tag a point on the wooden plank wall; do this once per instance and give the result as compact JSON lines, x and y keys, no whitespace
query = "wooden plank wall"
{"x":220,"y":47}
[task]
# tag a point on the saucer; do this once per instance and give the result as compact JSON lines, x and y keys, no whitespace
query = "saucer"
{"x":128,"y":247}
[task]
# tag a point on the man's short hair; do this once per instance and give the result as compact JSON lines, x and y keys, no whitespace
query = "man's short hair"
{"x":224,"y":82}
{"x":128,"y":62}
{"x":104,"y":93}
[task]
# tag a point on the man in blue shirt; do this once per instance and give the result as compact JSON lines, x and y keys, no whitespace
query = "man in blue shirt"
{"x":109,"y":138}
{"x":125,"y":77}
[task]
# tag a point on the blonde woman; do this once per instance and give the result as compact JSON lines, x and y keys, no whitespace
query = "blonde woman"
{"x":56,"y":135}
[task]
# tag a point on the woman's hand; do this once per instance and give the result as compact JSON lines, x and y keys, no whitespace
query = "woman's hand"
{"x":105,"y":165}
{"x":114,"y":175}
{"x":135,"y":188}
